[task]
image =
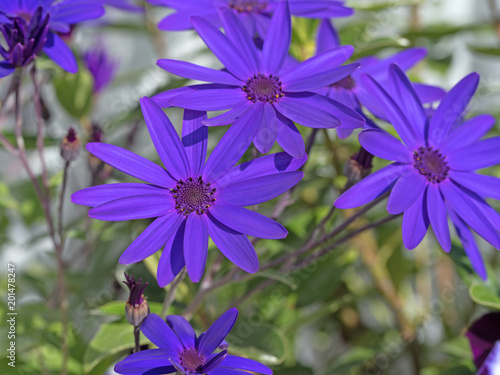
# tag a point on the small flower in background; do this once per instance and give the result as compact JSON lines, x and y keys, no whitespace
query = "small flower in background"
{"x":70,"y":146}
{"x":30,"y":27}
{"x":136,"y":308}
{"x":254,"y":14}
{"x":432,"y":176}
{"x":358,"y":166}
{"x":192,"y":200}
{"x":101,"y":66}
{"x":484,"y":338}
{"x":179,"y":349}
{"x":257,"y":82}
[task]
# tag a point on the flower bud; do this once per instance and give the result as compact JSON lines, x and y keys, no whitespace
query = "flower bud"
{"x":136,"y":308}
{"x":358,"y":166}
{"x":70,"y":146}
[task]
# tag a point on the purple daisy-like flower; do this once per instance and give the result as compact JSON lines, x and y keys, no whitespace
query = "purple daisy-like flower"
{"x":29,"y":27}
{"x":484,"y":338}
{"x":192,"y":200}
{"x":254,"y":14}
{"x":351,"y":91}
{"x":257,"y":80}
{"x":101,"y":66}
{"x":179,"y":349}
{"x":432,"y":176}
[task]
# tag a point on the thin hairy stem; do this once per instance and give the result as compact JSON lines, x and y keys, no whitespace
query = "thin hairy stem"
{"x":169,"y":298}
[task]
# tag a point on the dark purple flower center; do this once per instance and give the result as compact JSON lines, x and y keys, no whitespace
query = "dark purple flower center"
{"x":264,"y":88}
{"x":345,"y":83}
{"x":24,"y":37}
{"x":191,"y":360}
{"x":193,"y":195}
{"x":248,"y":6}
{"x":431,"y":164}
{"x":136,"y":289}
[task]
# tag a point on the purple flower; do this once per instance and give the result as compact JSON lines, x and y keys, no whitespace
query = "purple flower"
{"x":432,"y":176}
{"x":29,"y":27}
{"x":179,"y":349}
{"x":258,"y":81}
{"x":193,"y":199}
{"x":254,"y":14}
{"x":484,"y":338}
{"x":351,"y":91}
{"x":101,"y":66}
{"x":127,"y":5}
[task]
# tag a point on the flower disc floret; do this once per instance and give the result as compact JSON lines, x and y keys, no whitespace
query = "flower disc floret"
{"x":193,"y":195}
{"x":263,"y":88}
{"x":431,"y":164}
{"x":191,"y":360}
{"x":248,"y":6}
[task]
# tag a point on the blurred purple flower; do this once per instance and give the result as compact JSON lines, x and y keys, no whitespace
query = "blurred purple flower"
{"x":193,"y":199}
{"x":432,"y":176}
{"x":484,"y":338}
{"x":30,"y":26}
{"x":127,"y":5}
{"x":258,"y":81}
{"x":179,"y":349}
{"x":254,"y":14}
{"x":101,"y":66}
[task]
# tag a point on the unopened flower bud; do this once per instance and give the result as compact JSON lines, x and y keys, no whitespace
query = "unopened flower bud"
{"x":70,"y":146}
{"x":358,"y":166}
{"x":136,"y":308}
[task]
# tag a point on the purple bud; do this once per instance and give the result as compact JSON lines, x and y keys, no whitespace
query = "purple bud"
{"x":70,"y":146}
{"x":136,"y":308}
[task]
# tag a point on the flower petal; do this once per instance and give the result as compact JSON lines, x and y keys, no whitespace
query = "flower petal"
{"x":234,"y":245}
{"x":234,"y":143}
{"x":428,"y":93}
{"x":210,"y":99}
{"x":406,"y":190}
{"x":268,"y":130}
{"x":218,"y":332}
{"x":301,"y":112}
{"x":438,"y":216}
{"x":289,"y":137}
{"x":142,"y":362}
{"x":131,"y":164}
{"x":278,"y":39}
{"x":384,"y":145}
{"x":479,"y":155}
{"x":248,"y":222}
{"x":151,"y":239}
{"x":415,"y":222}
{"x":245,"y":364}
{"x":485,"y":186}
{"x":97,"y":195}
{"x":451,"y":108}
{"x":469,"y":132}
{"x":191,"y":71}
{"x":59,"y":52}
{"x":6,"y":69}
{"x":160,"y":334}
{"x":183,"y":330}
{"x":327,"y":38}
{"x":228,"y":117}
{"x":165,"y":139}
{"x":226,"y":371}
{"x":172,"y":257}
{"x":371,"y":187}
{"x":196,"y":246}
{"x":194,"y":140}
{"x":259,"y":189}
{"x":134,"y":207}
{"x":71,"y":11}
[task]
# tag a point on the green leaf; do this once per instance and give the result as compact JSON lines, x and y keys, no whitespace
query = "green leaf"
{"x":111,"y":339}
{"x":484,"y":295}
{"x":74,"y":92}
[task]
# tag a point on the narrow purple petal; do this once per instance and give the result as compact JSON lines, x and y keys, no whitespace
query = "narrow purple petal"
{"x":479,"y":155}
{"x":196,"y":72}
{"x":60,"y":53}
{"x":163,"y":98}
{"x":214,"y":362}
{"x":259,"y":189}
{"x":491,"y":365}
{"x":384,"y":145}
{"x":485,"y":186}
{"x":371,"y":187}
{"x":218,"y":332}
{"x":228,"y":117}
{"x":97,"y":195}
{"x":223,"y":48}
{"x":405,"y":59}
{"x":215,"y":99}
{"x":194,"y":140}
{"x":428,"y":93}
{"x":466,"y":134}
{"x":226,"y":371}
{"x":248,"y":222}
{"x":160,"y":334}
{"x":301,"y":112}
{"x":172,"y":257}
{"x":165,"y":139}
{"x":415,"y":222}
{"x":289,"y":137}
{"x":234,"y":245}
{"x":196,"y":246}
{"x":141,"y":362}
{"x":131,"y":164}
{"x":183,"y":330}
{"x":438,"y":216}
{"x":268,"y":130}
{"x":151,"y":239}
{"x":234,"y":143}
{"x":277,"y":41}
{"x":72,"y":12}
{"x":134,"y":207}
{"x":451,"y":108}
{"x":327,"y":38}
{"x":406,"y":190}
{"x":245,"y":364}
